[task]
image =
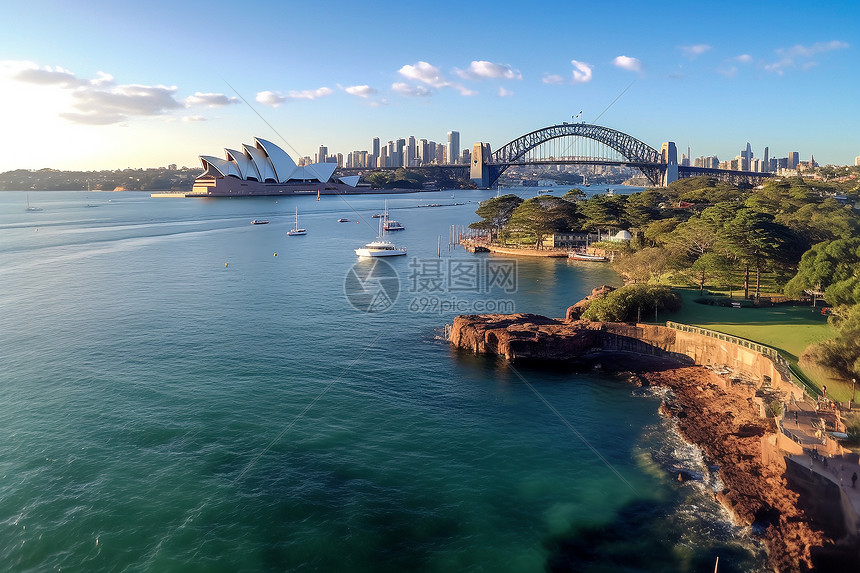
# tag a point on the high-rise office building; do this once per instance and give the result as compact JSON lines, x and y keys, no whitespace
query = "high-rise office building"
{"x":793,"y":159}
{"x":374,"y":152}
{"x":765,"y":161}
{"x":453,"y":146}
{"x":411,"y":159}
{"x":322,"y":154}
{"x":746,"y":157}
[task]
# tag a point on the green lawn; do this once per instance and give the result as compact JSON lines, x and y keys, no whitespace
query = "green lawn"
{"x":789,"y":329}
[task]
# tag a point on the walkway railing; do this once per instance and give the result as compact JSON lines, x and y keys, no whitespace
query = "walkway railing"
{"x":782,"y":365}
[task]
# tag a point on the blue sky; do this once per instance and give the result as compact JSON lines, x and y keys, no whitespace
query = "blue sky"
{"x":132,"y":84}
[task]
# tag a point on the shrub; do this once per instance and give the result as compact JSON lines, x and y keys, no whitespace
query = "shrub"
{"x":631,"y":302}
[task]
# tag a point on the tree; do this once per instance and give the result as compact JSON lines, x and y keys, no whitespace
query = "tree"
{"x":758,"y":242}
{"x":543,"y":215}
{"x":642,"y":208}
{"x":574,"y":194}
{"x":603,"y":212}
{"x":714,"y":265}
{"x":645,"y":265}
{"x":496,"y":212}
{"x":833,"y":266}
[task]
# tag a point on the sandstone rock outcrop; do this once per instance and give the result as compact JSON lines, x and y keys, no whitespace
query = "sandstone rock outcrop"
{"x":523,"y":336}
{"x":575,"y":312}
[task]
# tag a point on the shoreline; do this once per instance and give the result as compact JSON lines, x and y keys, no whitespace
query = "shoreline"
{"x":805,"y":521}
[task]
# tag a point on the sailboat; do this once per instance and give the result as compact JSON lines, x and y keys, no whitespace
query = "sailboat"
{"x":380,"y":247}
{"x":295,"y":230}
{"x":390,"y":224}
{"x":29,"y":208}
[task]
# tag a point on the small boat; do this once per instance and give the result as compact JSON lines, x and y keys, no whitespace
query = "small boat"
{"x":390,"y":224}
{"x":587,"y":257}
{"x":259,"y":222}
{"x":380,"y":247}
{"x":343,"y":220}
{"x":377,"y":215}
{"x":30,"y":208}
{"x":295,"y":230}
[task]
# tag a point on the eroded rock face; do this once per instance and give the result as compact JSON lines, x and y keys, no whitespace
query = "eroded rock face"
{"x":524,"y":336}
{"x":725,"y":423}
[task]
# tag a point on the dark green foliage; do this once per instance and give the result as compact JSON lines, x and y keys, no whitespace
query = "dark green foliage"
{"x":831,"y":266}
{"x":543,"y":215}
{"x":496,"y":212}
{"x":633,"y":302}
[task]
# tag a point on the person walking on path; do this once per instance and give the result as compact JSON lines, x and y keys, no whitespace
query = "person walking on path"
{"x":854,"y":480}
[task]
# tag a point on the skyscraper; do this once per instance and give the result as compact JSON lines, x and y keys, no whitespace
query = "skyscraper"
{"x":411,"y":153}
{"x":746,"y":158}
{"x":374,"y":152}
{"x":793,"y":159}
{"x":322,"y":155}
{"x":453,"y":146}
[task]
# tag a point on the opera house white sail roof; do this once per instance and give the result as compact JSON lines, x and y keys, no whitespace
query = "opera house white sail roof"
{"x":265,"y":162}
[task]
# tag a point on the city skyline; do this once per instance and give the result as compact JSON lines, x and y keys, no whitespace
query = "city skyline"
{"x":117,"y":87}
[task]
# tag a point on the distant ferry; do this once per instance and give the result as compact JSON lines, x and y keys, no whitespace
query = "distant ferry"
{"x":343,"y":220}
{"x":259,"y":222}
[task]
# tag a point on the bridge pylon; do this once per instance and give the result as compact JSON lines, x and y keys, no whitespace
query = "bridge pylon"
{"x":480,"y":170}
{"x":669,"y":153}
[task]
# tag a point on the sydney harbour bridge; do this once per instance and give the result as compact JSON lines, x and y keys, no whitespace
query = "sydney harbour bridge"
{"x":587,"y":144}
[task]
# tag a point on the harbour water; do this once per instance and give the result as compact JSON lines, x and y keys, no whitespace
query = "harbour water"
{"x":183,"y":391}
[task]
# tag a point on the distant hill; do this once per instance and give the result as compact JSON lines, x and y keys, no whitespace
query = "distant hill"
{"x":151,"y":179}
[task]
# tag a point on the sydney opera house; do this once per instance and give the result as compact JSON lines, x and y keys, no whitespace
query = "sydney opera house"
{"x":266,"y":169}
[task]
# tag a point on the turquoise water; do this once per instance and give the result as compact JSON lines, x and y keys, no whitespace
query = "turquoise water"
{"x":183,"y":391}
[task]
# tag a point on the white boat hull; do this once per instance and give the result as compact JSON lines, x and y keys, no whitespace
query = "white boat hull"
{"x":365,"y":252}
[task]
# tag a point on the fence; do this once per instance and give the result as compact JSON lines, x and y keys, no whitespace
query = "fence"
{"x":782,"y":365}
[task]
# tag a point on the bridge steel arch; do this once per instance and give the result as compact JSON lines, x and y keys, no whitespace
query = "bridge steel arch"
{"x":637,"y":153}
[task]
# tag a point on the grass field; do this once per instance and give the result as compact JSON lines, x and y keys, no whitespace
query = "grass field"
{"x":789,"y":329}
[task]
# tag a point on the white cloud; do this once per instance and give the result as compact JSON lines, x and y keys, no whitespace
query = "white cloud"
{"x":310,"y":94}
{"x":430,"y":75}
{"x":729,"y":72}
{"x":209,"y":100}
{"x":271,"y":98}
{"x":103,"y":79}
{"x":405,"y":89}
{"x":360,"y":91}
{"x":628,"y":63}
{"x":102,"y":107}
{"x":424,"y":72}
{"x":275,"y":98}
{"x":31,"y":73}
{"x":505,"y":93}
{"x":744,"y":58}
{"x":789,"y":56}
{"x":189,"y":118}
{"x":95,"y":101}
{"x":480,"y":69}
{"x":581,"y":72}
{"x":693,"y":52}
{"x":814,"y":49}
{"x":553,"y":79}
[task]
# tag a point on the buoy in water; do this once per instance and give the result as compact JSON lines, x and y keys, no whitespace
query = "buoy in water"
{"x":276,"y":254}
{"x":225,"y":264}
